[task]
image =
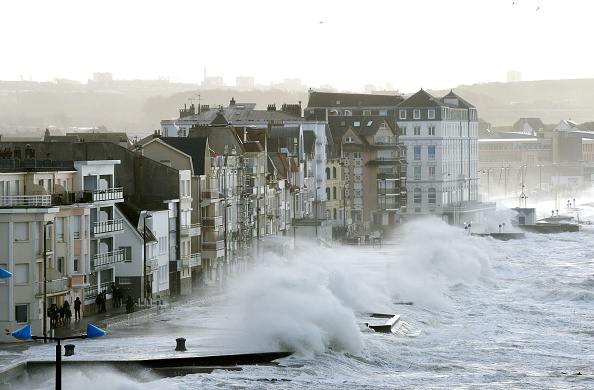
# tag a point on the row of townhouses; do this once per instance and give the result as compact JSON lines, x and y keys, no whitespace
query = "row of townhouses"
{"x":214,"y":189}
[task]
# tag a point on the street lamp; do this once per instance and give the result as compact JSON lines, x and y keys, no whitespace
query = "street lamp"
{"x":25,"y":334}
{"x":144,"y":276}
{"x":44,"y":314}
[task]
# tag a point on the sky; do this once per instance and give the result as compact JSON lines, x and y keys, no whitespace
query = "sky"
{"x":392,"y":44}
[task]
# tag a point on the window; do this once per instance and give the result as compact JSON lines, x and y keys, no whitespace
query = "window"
{"x":369,"y":123}
{"x":417,"y":172}
{"x":60,"y":264}
{"x":21,"y":313}
{"x":431,"y":196}
{"x":356,"y":154}
{"x":357,"y":124}
{"x":75,"y":265}
{"x":334,"y":193}
{"x":21,"y":231}
{"x":431,"y":114}
{"x":402,"y":114}
{"x":366,"y":112}
{"x":334,"y":172}
{"x":417,"y":130}
{"x":431,"y":129}
{"x":432,"y":172}
{"x":327,"y":173}
{"x":127,"y":253}
{"x":417,"y":114}
{"x":417,"y":196}
{"x":124,"y":280}
{"x":21,"y":274}
{"x":349,"y":140}
{"x":383,"y":112}
{"x":417,"y":153}
{"x":431,"y":152}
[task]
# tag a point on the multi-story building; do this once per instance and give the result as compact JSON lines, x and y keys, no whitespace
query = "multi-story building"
{"x":58,"y":225}
{"x":441,"y":138}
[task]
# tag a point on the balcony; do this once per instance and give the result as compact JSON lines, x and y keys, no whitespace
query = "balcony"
{"x":193,"y":260}
{"x":152,"y":264}
{"x":388,"y":176}
{"x":191,"y":230}
{"x":111,"y":226}
{"x":102,"y":260}
{"x":212,"y":222}
{"x":26,"y":201}
{"x":108,"y":194}
{"x":53,"y":287}
{"x":213,"y":245}
{"x":210,"y":193}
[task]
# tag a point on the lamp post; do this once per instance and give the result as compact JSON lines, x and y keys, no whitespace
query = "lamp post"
{"x":25,"y":334}
{"x":144,"y":276}
{"x":44,"y":314}
{"x":540,"y":176}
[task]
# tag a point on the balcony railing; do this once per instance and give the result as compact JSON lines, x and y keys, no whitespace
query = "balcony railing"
{"x":212,"y":221}
{"x":55,"y":286}
{"x":191,"y":230}
{"x":26,"y":201}
{"x":107,"y":258}
{"x":193,"y":260}
{"x":92,"y":291}
{"x":114,"y":225}
{"x":213,"y":245}
{"x":210,"y":193}
{"x":108,"y":194}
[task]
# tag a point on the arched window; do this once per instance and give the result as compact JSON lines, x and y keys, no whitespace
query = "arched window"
{"x":335,"y":213}
{"x":334,"y":193}
{"x":327,"y":173}
{"x":334,"y":172}
{"x":328,"y":193}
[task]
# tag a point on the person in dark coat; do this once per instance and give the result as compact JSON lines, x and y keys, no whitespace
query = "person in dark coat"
{"x":77,"y":305}
{"x":129,"y":304}
{"x":99,"y":302}
{"x":67,"y":312}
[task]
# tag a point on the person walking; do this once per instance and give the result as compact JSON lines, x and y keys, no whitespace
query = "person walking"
{"x":77,"y":304}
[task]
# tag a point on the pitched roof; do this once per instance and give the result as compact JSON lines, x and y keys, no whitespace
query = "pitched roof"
{"x":334,"y":99}
{"x":421,"y":99}
{"x":194,"y":147}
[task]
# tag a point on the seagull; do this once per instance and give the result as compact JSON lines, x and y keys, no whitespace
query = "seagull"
{"x":321,"y":22}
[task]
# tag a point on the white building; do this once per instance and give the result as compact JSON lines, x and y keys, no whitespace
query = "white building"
{"x":441,"y":136}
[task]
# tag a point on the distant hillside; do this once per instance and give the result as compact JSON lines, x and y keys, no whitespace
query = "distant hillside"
{"x":502,"y":104}
{"x":139,"y":107}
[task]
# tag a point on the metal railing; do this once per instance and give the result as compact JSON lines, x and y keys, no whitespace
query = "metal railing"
{"x":213,"y":245}
{"x":26,"y":201}
{"x":190,"y":230}
{"x":114,"y":225}
{"x":92,"y":291}
{"x":108,"y":194}
{"x":107,"y":258}
{"x":52,"y":286}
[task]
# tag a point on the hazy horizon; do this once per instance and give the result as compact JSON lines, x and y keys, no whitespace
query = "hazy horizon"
{"x":392,"y":45}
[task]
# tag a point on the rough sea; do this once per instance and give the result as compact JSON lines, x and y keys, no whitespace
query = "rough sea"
{"x":483,"y":314}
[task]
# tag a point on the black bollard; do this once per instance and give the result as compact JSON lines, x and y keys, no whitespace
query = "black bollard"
{"x":68,"y":349}
{"x":181,"y":344}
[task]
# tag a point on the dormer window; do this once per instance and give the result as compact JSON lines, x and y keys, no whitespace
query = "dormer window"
{"x":416,"y":114}
{"x":431,"y":114}
{"x":402,"y":114}
{"x":349,"y":140}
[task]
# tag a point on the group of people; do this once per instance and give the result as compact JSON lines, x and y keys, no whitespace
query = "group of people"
{"x":60,"y":316}
{"x":100,"y":301}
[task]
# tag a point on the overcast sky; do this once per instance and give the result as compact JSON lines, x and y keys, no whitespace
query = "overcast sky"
{"x":405,"y":45}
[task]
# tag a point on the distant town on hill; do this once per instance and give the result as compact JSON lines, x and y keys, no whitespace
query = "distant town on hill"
{"x":137,"y":106}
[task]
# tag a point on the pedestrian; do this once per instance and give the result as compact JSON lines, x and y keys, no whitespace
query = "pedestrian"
{"x":67,"y":313}
{"x":104,"y":301}
{"x":77,"y":304}
{"x":129,"y":304}
{"x":99,"y":302}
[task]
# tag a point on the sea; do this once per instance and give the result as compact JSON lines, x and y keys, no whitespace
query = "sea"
{"x":479,"y":313}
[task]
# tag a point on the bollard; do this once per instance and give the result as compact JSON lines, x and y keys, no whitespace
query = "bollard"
{"x":181,"y":344}
{"x":68,"y":349}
